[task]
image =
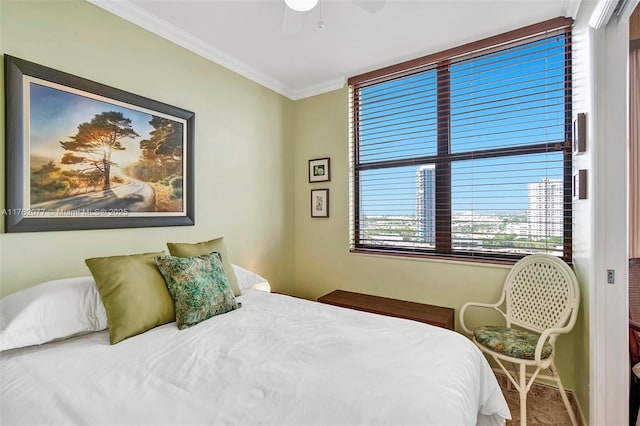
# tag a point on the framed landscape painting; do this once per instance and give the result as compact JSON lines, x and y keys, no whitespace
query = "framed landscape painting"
{"x":82,"y":155}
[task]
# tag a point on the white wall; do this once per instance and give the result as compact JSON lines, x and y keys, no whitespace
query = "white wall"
{"x":583,"y":228}
{"x":609,"y":311}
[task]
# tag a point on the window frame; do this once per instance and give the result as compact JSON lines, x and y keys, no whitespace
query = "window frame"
{"x":444,"y":158}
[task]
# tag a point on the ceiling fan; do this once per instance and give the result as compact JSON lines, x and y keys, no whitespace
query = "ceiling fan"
{"x":295,"y":9}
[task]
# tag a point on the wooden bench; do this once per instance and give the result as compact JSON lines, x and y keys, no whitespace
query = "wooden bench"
{"x":430,"y":314}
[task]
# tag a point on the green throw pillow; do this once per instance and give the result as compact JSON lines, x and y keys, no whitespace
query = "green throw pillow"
{"x":208,"y":247}
{"x":133,"y":292}
{"x":198,"y":286}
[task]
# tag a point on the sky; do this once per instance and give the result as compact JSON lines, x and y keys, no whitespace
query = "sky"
{"x":507,"y":98}
{"x":55,"y":115}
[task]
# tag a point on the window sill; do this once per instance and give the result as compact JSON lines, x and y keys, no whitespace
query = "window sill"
{"x":446,"y":258}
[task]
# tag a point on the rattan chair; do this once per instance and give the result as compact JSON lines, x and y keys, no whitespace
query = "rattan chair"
{"x":539,"y":302}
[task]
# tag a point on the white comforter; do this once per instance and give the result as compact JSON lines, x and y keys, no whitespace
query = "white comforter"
{"x":276,"y":361}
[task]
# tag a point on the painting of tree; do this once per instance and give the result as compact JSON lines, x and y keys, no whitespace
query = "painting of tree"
{"x":161,"y":163}
{"x":82,"y":155}
{"x":163,"y":150}
{"x":96,"y":141}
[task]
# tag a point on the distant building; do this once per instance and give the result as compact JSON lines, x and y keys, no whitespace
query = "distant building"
{"x":518,"y":229}
{"x":545,"y":213}
{"x":426,"y":203}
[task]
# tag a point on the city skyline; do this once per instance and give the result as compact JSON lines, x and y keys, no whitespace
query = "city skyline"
{"x":544,"y":213}
{"x":537,"y":228}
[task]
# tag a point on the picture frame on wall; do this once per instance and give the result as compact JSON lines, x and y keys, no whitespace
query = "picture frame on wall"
{"x":319,"y":170}
{"x":580,"y":133}
{"x":83,"y":155}
{"x":320,"y":202}
{"x":580,"y":185}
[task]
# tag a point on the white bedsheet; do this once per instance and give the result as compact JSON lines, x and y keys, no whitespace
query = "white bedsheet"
{"x":277,"y":360}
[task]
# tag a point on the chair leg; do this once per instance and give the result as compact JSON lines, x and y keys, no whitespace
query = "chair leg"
{"x":565,"y":399}
{"x":523,"y":395}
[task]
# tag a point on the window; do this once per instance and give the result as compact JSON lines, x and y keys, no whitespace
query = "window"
{"x":467,"y":152}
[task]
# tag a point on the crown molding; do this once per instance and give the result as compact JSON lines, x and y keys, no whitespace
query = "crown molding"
{"x":605,"y":9}
{"x":570,"y":8}
{"x":318,"y":89}
{"x":602,"y":13}
{"x":627,"y":10}
{"x":140,"y":17}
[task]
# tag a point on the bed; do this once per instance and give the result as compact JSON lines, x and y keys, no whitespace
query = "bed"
{"x":277,"y":360}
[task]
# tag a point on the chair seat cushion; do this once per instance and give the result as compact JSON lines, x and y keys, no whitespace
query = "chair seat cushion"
{"x":511,"y":342}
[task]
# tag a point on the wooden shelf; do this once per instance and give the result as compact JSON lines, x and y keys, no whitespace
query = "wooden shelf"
{"x":430,"y":314}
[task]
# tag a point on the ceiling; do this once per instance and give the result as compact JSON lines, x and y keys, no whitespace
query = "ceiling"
{"x":287,"y":52}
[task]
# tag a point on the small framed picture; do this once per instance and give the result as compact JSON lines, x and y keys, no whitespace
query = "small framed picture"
{"x":319,"y":170}
{"x":580,"y":133}
{"x":580,"y":185}
{"x":319,"y":203}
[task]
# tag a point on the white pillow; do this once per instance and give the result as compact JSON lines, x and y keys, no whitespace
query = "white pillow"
{"x":248,"y":279}
{"x":51,"y":311}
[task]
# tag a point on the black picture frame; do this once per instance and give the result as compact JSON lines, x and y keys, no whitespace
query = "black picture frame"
{"x":320,"y":202}
{"x":28,"y":89}
{"x":320,"y":170}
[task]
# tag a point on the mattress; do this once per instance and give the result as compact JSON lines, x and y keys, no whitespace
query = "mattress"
{"x":277,"y":360}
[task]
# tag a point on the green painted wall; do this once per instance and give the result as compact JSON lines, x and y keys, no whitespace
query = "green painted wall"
{"x":243,"y":169}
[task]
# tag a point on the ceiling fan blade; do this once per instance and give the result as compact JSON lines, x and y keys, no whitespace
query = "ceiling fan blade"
{"x":371,"y":6}
{"x":291,"y":22}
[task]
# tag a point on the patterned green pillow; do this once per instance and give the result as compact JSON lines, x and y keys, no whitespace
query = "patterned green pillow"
{"x":198,"y":286}
{"x":207,"y":247}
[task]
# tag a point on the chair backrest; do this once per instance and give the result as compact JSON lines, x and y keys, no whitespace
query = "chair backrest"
{"x":541,"y":292}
